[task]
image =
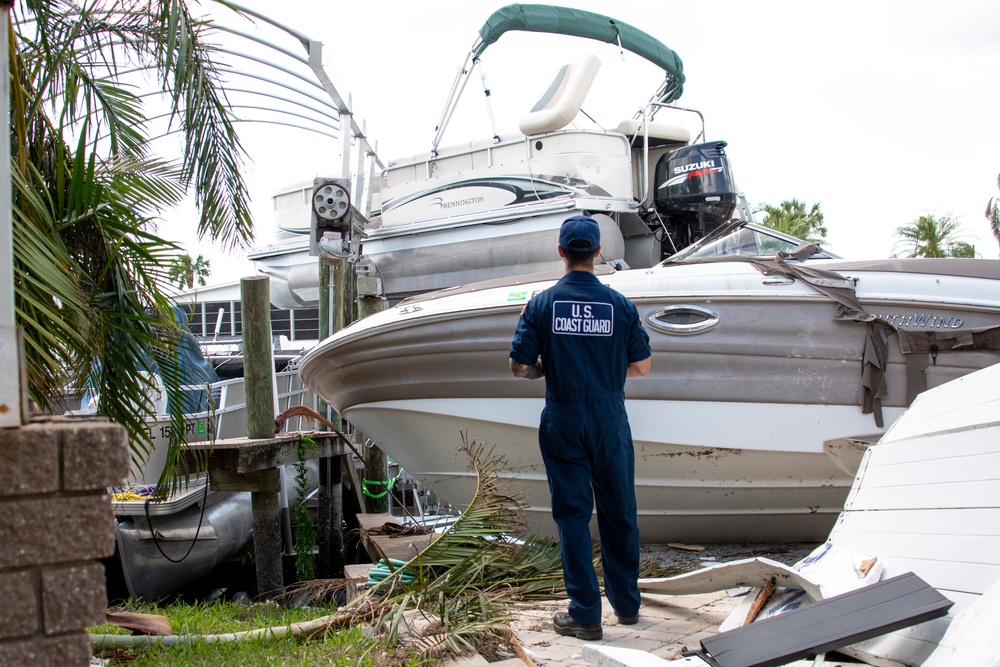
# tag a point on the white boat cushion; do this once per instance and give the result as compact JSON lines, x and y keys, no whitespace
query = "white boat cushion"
{"x":561,"y":102}
{"x":663,"y":131}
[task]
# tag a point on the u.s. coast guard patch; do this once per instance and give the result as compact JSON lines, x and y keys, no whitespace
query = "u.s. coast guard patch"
{"x":582,"y":318}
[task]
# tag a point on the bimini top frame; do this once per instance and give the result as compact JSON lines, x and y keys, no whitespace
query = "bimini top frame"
{"x":565,"y":21}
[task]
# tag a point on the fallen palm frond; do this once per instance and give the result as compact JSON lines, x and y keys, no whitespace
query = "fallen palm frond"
{"x":466,"y":580}
{"x":464,"y":583}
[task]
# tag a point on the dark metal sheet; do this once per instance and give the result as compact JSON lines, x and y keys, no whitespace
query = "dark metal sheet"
{"x":827,"y":625}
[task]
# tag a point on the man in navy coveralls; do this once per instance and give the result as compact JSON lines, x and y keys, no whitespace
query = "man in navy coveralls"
{"x":585,"y":339}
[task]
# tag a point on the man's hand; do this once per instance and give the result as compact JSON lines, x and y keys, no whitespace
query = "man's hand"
{"x":527,"y":372}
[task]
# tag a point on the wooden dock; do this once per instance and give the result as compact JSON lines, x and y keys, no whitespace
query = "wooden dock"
{"x":244,"y":464}
{"x":400,"y":547}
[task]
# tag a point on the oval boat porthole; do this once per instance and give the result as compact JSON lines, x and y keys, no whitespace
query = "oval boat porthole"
{"x":682,"y":320}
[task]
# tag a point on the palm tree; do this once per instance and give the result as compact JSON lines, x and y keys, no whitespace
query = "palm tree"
{"x":933,"y":236}
{"x":184,"y":271}
{"x":993,"y":214}
{"x":791,"y":217}
{"x":87,"y":189}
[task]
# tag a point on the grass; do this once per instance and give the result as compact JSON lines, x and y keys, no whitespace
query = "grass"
{"x":349,"y":645}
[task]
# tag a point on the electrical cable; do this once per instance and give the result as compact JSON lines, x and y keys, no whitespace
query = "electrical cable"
{"x":194,"y":540}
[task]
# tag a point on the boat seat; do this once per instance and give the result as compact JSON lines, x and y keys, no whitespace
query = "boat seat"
{"x":561,"y":102}
{"x":660,"y":134}
{"x":827,"y":625}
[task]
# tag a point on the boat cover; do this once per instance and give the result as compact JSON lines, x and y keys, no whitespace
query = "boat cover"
{"x":190,"y":368}
{"x":567,"y":21}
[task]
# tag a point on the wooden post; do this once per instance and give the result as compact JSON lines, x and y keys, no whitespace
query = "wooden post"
{"x":329,"y":536}
{"x":258,"y":356}
{"x":330,"y":501}
{"x":376,"y":464}
{"x":325,"y":323}
{"x":258,"y":364}
{"x":344,"y":294}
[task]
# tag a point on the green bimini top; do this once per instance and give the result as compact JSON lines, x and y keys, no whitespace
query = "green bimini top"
{"x":567,"y":21}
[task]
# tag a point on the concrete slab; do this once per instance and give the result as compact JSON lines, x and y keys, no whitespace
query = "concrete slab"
{"x":612,"y":656}
{"x":667,"y":625}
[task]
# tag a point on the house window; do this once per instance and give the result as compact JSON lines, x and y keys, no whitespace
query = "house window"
{"x":305,"y":324}
{"x":281,"y":322}
{"x":195,"y":319}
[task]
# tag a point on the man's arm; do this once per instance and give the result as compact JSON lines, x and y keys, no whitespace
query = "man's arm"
{"x":639,"y":368}
{"x":527,"y":372}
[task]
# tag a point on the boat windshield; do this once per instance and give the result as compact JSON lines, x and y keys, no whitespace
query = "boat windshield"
{"x":748,"y":240}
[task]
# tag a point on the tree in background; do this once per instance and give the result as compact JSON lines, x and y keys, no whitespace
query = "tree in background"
{"x":87,"y":188}
{"x":933,"y":236}
{"x":791,"y":217}
{"x":184,"y":271}
{"x":993,"y":214}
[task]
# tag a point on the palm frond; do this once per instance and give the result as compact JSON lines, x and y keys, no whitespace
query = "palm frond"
{"x":467,"y":581}
{"x":213,"y":155}
{"x":76,"y":62}
{"x":51,"y":304}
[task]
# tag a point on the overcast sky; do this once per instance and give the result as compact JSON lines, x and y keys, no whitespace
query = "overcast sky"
{"x":879,"y":111}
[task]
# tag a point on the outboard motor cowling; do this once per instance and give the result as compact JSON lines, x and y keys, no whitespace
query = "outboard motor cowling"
{"x":694,"y":189}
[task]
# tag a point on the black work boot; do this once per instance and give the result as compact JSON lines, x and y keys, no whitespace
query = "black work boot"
{"x":564,"y":625}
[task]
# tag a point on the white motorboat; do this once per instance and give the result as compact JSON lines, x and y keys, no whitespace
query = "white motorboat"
{"x":759,"y":372}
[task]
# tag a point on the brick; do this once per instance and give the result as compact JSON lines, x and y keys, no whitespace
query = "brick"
{"x":56,"y":530}
{"x":95,"y":456}
{"x":28,"y":463}
{"x":19,"y":614}
{"x":73,"y":597}
{"x":48,"y":652}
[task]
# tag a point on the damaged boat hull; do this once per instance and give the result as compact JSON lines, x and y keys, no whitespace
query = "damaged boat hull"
{"x":751,"y":376}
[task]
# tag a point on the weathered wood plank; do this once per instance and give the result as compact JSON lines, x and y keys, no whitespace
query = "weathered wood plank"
{"x":247,"y":455}
{"x":258,"y":481}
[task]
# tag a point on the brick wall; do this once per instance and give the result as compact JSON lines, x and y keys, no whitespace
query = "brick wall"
{"x":55,"y":522}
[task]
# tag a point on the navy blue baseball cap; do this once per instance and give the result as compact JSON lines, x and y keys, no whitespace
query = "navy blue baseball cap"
{"x":580,"y":233}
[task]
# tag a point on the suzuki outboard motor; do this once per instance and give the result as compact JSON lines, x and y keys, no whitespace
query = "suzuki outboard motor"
{"x":694,"y":191}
